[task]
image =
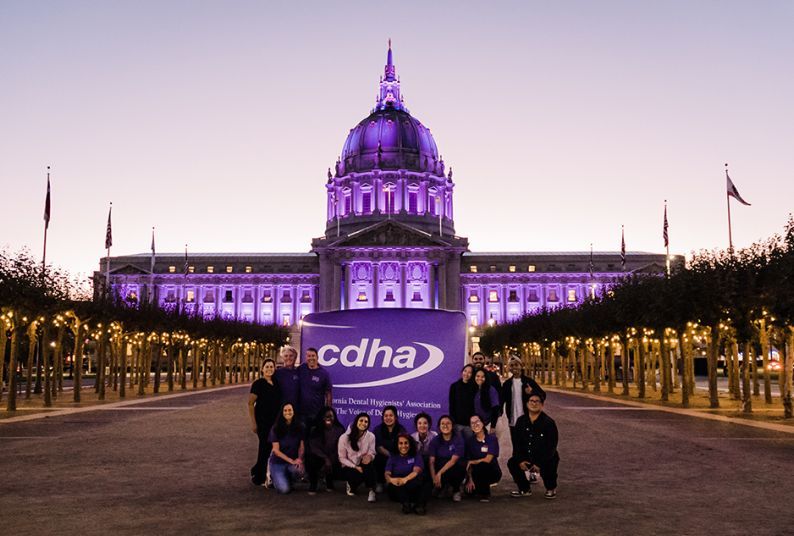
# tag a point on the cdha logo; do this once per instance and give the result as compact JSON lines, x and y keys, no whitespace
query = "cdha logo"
{"x":373,"y":355}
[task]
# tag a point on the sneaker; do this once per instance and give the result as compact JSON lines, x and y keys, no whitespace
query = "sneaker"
{"x":349,"y":490}
{"x":379,"y":488}
{"x":329,"y":487}
{"x":551,"y":494}
{"x":456,"y":497}
{"x":420,"y":510}
{"x":485,"y":499}
{"x":520,"y":493}
{"x":312,"y":492}
{"x":371,"y":497}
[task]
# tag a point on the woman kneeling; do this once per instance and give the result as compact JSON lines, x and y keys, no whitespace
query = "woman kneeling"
{"x":404,"y":477}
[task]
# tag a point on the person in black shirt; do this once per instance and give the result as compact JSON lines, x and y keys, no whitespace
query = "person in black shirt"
{"x":537,"y":438}
{"x":322,"y":454}
{"x":478,"y":360}
{"x":264,"y":403}
{"x":461,"y":400}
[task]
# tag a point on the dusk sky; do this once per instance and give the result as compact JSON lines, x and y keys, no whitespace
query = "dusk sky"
{"x":215,"y":122}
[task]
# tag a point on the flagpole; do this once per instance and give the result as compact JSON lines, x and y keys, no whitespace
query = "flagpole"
{"x":108,"y":243}
{"x":46,"y":226}
{"x":151,"y":269}
{"x":666,"y":240}
{"x":728,"y":199}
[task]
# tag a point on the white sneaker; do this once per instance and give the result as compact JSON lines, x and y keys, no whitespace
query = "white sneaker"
{"x":371,"y":497}
{"x":348,"y":490}
{"x":379,"y":488}
{"x":456,"y":497}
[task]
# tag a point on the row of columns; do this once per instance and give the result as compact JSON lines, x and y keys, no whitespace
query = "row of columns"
{"x":399,"y":200}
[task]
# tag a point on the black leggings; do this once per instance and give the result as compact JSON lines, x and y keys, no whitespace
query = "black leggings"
{"x":259,"y":470}
{"x":380,"y":467}
{"x":314,"y":465}
{"x":355,"y":479}
{"x":414,"y":491}
{"x":453,"y":476}
{"x":483,"y":475}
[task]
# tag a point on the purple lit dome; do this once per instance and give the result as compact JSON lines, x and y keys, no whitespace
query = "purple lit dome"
{"x":390,"y":139}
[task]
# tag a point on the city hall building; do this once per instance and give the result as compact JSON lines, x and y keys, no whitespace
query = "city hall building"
{"x":390,"y":241}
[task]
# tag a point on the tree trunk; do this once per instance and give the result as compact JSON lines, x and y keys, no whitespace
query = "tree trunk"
{"x":158,"y":356}
{"x":641,"y":370}
{"x":102,"y":365}
{"x":611,"y":357}
{"x":597,"y":368}
{"x":171,"y":359}
{"x":204,"y":358}
{"x":57,"y":385}
{"x":557,"y":365}
{"x":754,"y":372}
{"x":734,"y":379}
{"x":748,"y":363}
{"x":624,"y":366}
{"x":664,"y":360}
{"x":123,"y":369}
{"x":32,"y":342}
{"x":143,"y":366}
{"x":765,"y":361}
{"x":45,"y":363}
{"x":12,"y":370}
{"x":653,"y":364}
{"x":3,"y":345}
{"x":77,"y":361}
{"x":713,"y":352}
{"x":684,"y":350}
{"x":788,"y":348}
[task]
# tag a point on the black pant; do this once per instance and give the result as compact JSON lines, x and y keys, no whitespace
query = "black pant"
{"x":259,"y":470}
{"x":483,"y":475}
{"x":314,"y":465}
{"x":414,"y":491}
{"x":380,"y":467}
{"x":453,"y":476}
{"x":514,"y":440}
{"x":354,"y":478}
{"x":548,"y":472}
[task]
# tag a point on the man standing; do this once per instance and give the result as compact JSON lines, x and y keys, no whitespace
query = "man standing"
{"x":515,"y":393}
{"x":537,"y":439}
{"x":287,"y":377}
{"x":315,"y":388}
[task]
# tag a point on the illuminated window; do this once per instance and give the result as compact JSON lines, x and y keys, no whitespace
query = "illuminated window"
{"x":531,"y":268}
{"x":305,"y":296}
{"x":249,"y":269}
{"x":553,"y":295}
{"x":266,"y":297}
{"x":190,"y":296}
{"x":172,"y":269}
{"x":132,"y":296}
{"x":285,"y":320}
{"x":475,"y":320}
{"x":229,"y":269}
{"x":473,"y":269}
{"x":511,"y":268}
{"x":209,"y":297}
{"x":210,"y":269}
{"x":362,"y":296}
{"x":413,"y":199}
{"x":348,"y":200}
{"x":191,"y":269}
{"x":417,"y":297}
{"x":366,"y":202}
{"x":388,"y":195}
{"x":571,"y":295}
{"x":473,"y":297}
{"x":493,"y":296}
{"x":389,"y":296}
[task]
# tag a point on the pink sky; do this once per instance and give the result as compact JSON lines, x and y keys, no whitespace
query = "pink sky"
{"x":216,"y":121}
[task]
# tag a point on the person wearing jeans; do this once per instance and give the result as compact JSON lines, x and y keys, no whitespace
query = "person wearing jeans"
{"x":286,"y":461}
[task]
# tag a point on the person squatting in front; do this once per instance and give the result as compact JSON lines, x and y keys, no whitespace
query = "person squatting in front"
{"x":323,"y":452}
{"x":403,"y":473}
{"x":286,"y":461}
{"x":356,"y":452}
{"x":536,"y":449}
{"x":482,"y":453}
{"x":447,"y":464}
{"x":386,"y":442}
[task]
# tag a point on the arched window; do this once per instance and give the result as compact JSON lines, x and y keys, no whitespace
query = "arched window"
{"x":366,"y":200}
{"x":413,"y":199}
{"x":348,"y":201}
{"x":389,"y":191}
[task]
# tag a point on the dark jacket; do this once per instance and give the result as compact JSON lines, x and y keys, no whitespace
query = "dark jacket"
{"x":506,"y":394}
{"x":537,"y":441}
{"x":461,"y":401}
{"x":323,"y":443}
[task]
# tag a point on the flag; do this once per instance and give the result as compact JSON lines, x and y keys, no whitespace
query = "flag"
{"x":151,"y":268}
{"x":732,"y":191}
{"x":622,"y":249}
{"x":47,"y":203}
{"x":664,"y":229}
{"x":186,"y":269}
{"x":109,"y":231}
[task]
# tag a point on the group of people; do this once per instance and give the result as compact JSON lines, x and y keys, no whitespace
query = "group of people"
{"x":300,"y":436}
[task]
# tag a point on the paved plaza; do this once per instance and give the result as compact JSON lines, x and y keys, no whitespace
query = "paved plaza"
{"x":180,"y":466}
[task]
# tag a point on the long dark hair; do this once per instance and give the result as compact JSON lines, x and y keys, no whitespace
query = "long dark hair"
{"x":282,"y":428}
{"x":445,"y":416}
{"x":384,"y":430}
{"x":428,"y":418}
{"x":355,"y":434}
{"x":484,"y":390}
{"x":473,"y":371}
{"x":411,"y":444}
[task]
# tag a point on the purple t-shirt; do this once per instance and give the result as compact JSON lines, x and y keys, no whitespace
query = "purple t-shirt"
{"x":476,"y":450}
{"x":314,"y":383}
{"x":289,"y":383}
{"x":289,"y":444}
{"x":443,"y":450}
{"x":400,"y":466}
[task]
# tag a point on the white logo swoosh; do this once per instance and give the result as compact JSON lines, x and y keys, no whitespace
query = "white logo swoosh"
{"x":433,"y":361}
{"x":329,"y":326}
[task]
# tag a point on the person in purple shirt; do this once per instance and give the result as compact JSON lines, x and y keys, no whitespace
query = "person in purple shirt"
{"x":315,"y":387}
{"x":486,"y":400}
{"x":447,"y":464}
{"x":286,"y":461}
{"x":404,"y":476}
{"x":287,"y":378}
{"x":386,"y":442}
{"x":482,"y":451}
